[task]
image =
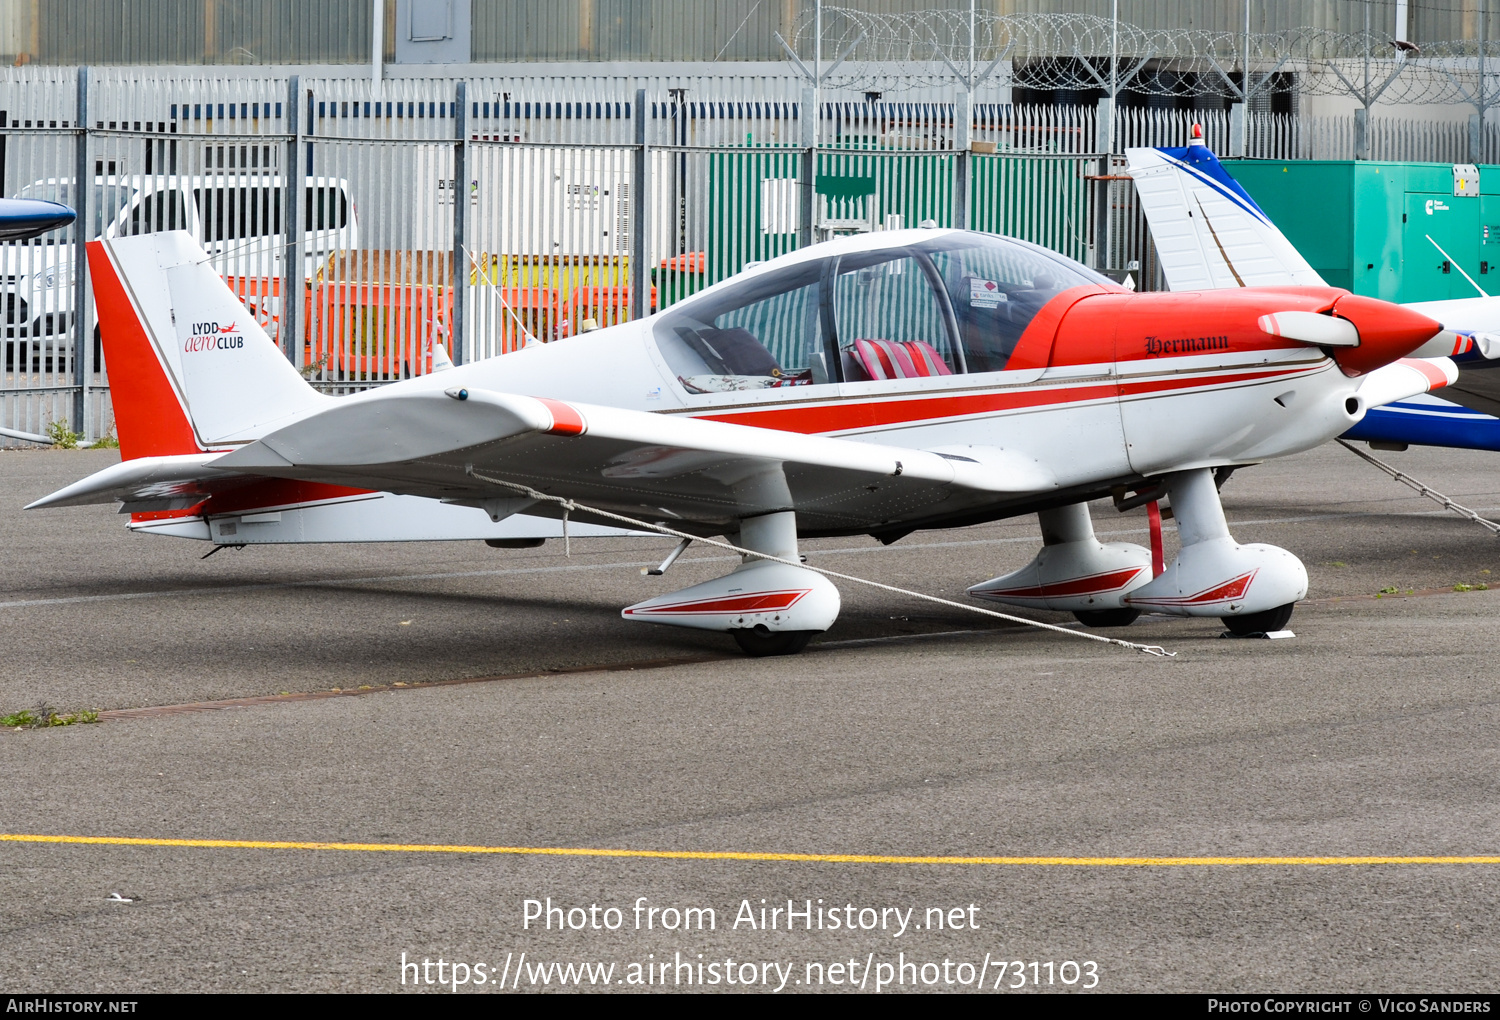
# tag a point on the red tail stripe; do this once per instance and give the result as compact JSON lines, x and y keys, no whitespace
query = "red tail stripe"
{"x":148,"y":415}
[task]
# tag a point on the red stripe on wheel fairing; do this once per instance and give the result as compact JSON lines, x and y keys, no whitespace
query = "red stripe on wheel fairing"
{"x":1094,"y":584}
{"x":753,"y":602}
{"x":566,"y":421}
{"x":1226,"y":592}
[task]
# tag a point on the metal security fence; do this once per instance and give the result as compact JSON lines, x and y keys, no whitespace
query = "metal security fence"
{"x":367,"y":224}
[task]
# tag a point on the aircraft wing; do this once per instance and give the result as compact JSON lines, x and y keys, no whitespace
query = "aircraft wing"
{"x":451,"y":444}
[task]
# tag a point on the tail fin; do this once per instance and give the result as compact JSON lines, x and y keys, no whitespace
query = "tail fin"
{"x":1209,"y":232}
{"x":190,"y":368}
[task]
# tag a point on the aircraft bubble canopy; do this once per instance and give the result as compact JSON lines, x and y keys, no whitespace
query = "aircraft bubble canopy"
{"x":952,"y":304}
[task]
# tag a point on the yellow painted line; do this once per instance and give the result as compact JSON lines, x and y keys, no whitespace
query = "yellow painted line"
{"x":733,"y":855}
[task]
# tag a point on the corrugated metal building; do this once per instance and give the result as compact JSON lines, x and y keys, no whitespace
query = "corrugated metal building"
{"x":188,"y":32}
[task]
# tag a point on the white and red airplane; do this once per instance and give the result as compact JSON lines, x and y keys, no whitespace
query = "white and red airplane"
{"x":877,"y":384}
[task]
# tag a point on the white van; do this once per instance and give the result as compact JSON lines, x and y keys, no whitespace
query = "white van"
{"x":235,"y":217}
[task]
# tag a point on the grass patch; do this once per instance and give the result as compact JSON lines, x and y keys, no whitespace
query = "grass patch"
{"x":1471,"y":587}
{"x":108,"y":441}
{"x":40,"y":718}
{"x":63,"y":437}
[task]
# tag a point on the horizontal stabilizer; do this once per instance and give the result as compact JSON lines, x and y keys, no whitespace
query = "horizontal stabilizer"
{"x":136,"y":479}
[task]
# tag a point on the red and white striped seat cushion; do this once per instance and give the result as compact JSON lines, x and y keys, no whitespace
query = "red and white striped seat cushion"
{"x":899,"y":359}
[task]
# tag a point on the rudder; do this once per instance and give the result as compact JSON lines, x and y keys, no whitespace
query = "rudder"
{"x":191,"y":368}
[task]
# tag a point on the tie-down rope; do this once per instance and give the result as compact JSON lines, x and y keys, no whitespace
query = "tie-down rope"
{"x":1430,"y":493}
{"x":569,"y":506}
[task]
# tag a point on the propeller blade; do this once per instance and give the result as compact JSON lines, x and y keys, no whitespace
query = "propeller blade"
{"x":1311,"y":328}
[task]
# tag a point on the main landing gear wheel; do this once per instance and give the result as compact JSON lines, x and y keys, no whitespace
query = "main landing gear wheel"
{"x":1106,"y":617}
{"x":1260,"y":623}
{"x":761,"y":641}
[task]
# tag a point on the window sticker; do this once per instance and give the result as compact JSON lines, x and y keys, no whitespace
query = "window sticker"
{"x":984,"y":293}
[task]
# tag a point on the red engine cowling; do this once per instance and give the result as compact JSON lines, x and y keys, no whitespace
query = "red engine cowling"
{"x":1387,"y":332}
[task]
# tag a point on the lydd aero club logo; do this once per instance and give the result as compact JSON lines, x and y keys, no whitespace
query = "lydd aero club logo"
{"x":210,"y":336}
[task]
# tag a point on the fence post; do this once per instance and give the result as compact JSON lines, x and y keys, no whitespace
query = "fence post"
{"x":1103,"y":120}
{"x":806,"y":232}
{"x":291,"y":264}
{"x":1102,"y":241}
{"x":1362,"y":133}
{"x":1476,"y":138}
{"x":963,"y":159}
{"x":83,"y":202}
{"x":460,"y":192}
{"x":1237,"y":136}
{"x":640,"y":212}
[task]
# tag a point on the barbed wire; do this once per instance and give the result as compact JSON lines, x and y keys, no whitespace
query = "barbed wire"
{"x":1072,"y":52}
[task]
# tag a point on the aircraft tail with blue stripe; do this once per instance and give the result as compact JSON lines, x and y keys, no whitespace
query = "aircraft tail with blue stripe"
{"x":1210,"y":234}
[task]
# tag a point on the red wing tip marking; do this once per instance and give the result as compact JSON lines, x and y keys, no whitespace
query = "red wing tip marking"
{"x":753,"y":602}
{"x":1229,"y":591}
{"x":566,"y":420}
{"x":1093,"y":584}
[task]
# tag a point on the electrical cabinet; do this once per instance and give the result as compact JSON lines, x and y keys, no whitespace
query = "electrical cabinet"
{"x":1396,"y":231}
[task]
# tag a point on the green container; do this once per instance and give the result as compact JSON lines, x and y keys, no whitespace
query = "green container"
{"x":1376,"y":228}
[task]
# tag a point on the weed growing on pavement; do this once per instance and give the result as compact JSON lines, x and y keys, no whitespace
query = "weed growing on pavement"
{"x":39,"y":718}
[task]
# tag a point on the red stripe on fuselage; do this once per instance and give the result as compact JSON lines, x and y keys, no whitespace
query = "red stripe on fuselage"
{"x":853,"y":414}
{"x":257,"y":495}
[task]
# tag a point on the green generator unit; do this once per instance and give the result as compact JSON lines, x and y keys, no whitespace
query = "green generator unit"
{"x":1398,"y":231}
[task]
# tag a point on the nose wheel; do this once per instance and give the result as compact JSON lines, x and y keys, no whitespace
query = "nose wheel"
{"x":758,"y":642}
{"x":1106,"y":617}
{"x":1260,"y":623}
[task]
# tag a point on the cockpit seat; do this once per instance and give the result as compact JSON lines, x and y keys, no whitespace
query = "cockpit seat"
{"x":899,"y":359}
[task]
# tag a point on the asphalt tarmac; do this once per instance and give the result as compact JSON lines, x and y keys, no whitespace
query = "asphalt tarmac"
{"x":909,"y":730}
